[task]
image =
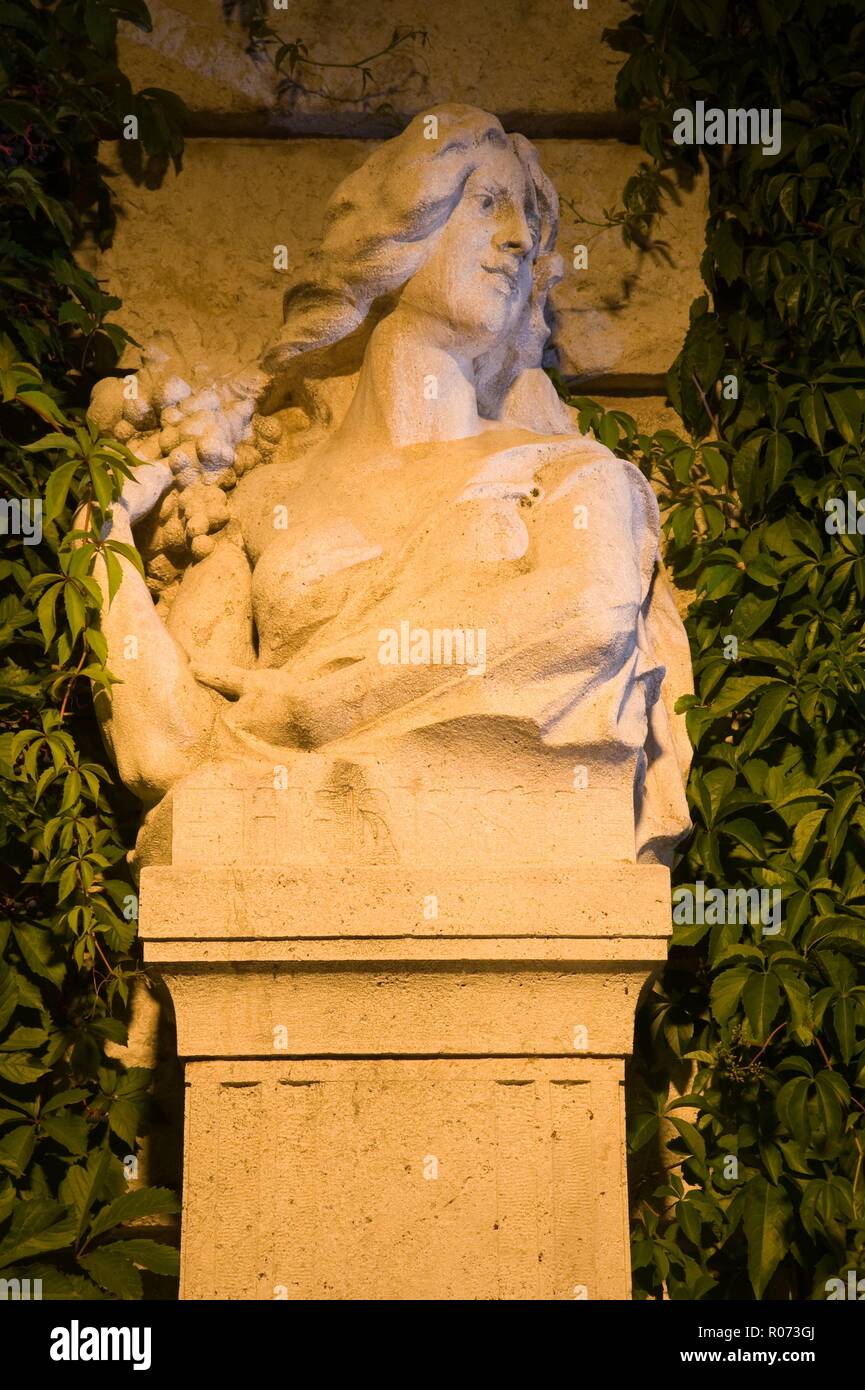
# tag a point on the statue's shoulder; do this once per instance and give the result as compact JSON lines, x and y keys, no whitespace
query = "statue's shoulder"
{"x":524,"y":463}
{"x":533,"y":405}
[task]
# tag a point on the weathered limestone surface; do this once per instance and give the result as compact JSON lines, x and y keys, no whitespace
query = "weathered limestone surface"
{"x":197,"y":253}
{"x":542,"y":58}
{"x":438,"y":1115}
{"x":388,"y":902}
{"x":415,"y":1179}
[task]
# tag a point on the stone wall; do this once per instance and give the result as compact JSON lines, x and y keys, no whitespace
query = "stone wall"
{"x":537,"y":63}
{"x":195,"y":251}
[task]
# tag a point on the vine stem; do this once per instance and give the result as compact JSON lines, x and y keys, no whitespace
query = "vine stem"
{"x":767,"y":1042}
{"x":696,"y":381}
{"x":75,"y":675}
{"x":86,"y":515}
{"x":361,"y":62}
{"x":825,"y":1057}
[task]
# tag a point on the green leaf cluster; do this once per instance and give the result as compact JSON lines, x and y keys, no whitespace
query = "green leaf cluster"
{"x":71,"y":1114}
{"x":748,"y":1107}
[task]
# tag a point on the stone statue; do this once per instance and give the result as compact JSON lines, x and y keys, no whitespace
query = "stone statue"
{"x":386,"y":573}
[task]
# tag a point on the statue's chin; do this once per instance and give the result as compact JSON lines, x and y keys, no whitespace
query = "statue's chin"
{"x":481,"y":322}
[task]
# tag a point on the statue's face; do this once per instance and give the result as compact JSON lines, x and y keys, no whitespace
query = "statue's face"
{"x":478,"y":277}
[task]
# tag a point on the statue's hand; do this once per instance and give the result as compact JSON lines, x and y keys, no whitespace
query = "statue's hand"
{"x":142,"y":493}
{"x":276,"y":355}
{"x":252,"y":684}
{"x":227,"y":680}
{"x":250,"y":384}
{"x":268,"y":702}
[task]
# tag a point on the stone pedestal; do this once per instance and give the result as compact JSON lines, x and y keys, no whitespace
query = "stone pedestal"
{"x":403,"y":1083}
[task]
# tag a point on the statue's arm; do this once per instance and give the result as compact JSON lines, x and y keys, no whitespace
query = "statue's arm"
{"x":156,"y":720}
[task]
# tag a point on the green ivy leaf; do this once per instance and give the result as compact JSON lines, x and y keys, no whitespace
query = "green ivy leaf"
{"x":144,"y":1201}
{"x":20,"y":1068}
{"x":38,"y":1226}
{"x":112,"y":1272}
{"x":766,"y":1220}
{"x":86,"y":1183}
{"x":761,"y":998}
{"x":805,"y":834}
{"x":16,"y":1150}
{"x":727,"y":990}
{"x":767,"y":715}
{"x":149,"y":1254}
{"x":68,"y":1130}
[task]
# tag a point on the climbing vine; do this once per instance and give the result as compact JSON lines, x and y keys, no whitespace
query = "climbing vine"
{"x":70,"y":1113}
{"x":302,"y":74}
{"x":759,"y":1189}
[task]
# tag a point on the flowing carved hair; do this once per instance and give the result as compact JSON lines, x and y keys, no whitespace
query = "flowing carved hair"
{"x":379,"y":226}
{"x":379,"y":223}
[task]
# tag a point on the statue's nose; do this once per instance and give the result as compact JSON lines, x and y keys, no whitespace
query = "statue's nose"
{"x":516,"y":237}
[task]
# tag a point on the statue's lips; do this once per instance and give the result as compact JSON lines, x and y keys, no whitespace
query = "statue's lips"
{"x":509,"y":276}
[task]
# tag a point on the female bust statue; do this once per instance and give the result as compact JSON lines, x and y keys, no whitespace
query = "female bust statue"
{"x":388,"y":560}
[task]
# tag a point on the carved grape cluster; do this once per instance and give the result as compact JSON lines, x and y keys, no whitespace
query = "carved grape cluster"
{"x":208,"y":437}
